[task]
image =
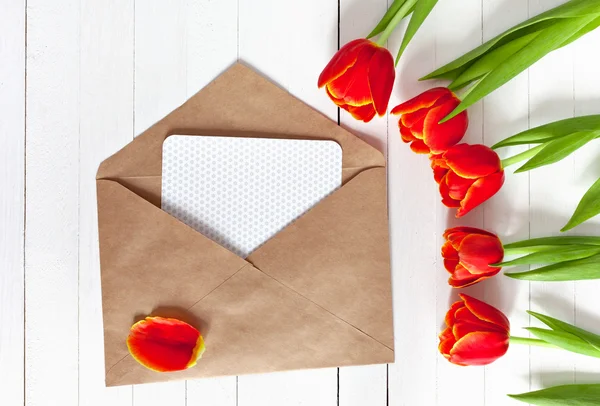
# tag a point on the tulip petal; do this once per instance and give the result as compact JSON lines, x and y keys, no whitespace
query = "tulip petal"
{"x":448,"y":251}
{"x":447,"y":341}
{"x":382,"y":75}
{"x":486,"y":312}
{"x":339,"y":102}
{"x":419,"y":147}
{"x":466,"y":230}
{"x":467,"y":318}
{"x":364,"y":113}
{"x":463,"y":283}
{"x":445,"y":193}
{"x":353,"y":85}
{"x":405,"y":133}
{"x":472,"y":161}
{"x":451,"y":314}
{"x":458,"y":187}
{"x":479,"y":348}
{"x":409,"y":119}
{"x":164,"y":345}
{"x":342,"y":61}
{"x":440,"y":137}
{"x":477,"y":252}
{"x":423,"y":101}
{"x":481,"y":191}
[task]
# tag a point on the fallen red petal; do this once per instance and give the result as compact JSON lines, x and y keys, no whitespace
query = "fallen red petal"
{"x":164,"y":344}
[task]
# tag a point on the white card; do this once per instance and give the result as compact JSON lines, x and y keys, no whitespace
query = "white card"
{"x":240,"y":192}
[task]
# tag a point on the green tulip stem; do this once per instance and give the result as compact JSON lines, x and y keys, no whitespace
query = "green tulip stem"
{"x":404,"y":10}
{"x":522,"y":156}
{"x":531,"y":341}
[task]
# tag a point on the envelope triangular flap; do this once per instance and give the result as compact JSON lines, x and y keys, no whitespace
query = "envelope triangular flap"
{"x":240,"y":103}
{"x":149,"y":259}
{"x":337,"y":255}
{"x":259,"y":325}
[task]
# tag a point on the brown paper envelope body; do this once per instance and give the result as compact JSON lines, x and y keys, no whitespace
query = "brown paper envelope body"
{"x":316,"y":295}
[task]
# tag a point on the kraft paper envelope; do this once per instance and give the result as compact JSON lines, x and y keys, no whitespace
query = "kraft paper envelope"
{"x":316,"y":295}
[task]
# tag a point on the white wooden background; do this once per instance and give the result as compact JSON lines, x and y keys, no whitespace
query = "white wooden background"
{"x":79,"y":79}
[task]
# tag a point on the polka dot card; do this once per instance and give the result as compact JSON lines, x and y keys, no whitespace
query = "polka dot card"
{"x":240,"y":192}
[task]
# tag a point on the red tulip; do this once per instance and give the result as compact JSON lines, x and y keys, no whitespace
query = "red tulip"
{"x":476,"y":333}
{"x":359,"y":79}
{"x":468,"y":175}
{"x":468,"y":254}
{"x":419,"y":124}
{"x":165,"y":345}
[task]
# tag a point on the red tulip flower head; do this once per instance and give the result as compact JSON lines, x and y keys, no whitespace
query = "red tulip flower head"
{"x":419,"y":124}
{"x":468,"y":175}
{"x":476,"y":333}
{"x":360,"y":78}
{"x":468,"y":255}
{"x":165,"y":345}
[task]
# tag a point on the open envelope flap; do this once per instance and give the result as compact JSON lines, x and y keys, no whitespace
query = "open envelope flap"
{"x":148,"y":260}
{"x":239,"y":103}
{"x":337,"y":255}
{"x":258,"y":325}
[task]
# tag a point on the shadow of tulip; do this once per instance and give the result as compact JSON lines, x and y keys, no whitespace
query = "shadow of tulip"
{"x":549,"y":379}
{"x":178,"y":313}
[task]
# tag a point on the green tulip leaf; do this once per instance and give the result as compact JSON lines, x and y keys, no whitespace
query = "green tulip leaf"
{"x":566,"y":395}
{"x":577,"y":270}
{"x":490,"y":61}
{"x":588,"y":28}
{"x":536,"y":244}
{"x":588,"y":207}
{"x":387,"y":18}
{"x":557,"y":325}
{"x":566,"y":341}
{"x":547,"y":41}
{"x":559,"y":149}
{"x":552,"y":131}
{"x":571,"y":9}
{"x":420,"y":14}
{"x":553,"y":255}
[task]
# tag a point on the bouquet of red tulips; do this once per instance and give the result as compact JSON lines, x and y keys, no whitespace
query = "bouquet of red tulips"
{"x":360,"y":78}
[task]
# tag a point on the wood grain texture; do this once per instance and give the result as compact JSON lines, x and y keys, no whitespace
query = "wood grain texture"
{"x":106,"y":62}
{"x":211,"y":47}
{"x":12,"y":200}
{"x":97,"y":74}
{"x":293,"y":62}
{"x":160,"y":85}
{"x":551,"y":98}
{"x":52,"y":201}
{"x":507,"y":212}
{"x":364,"y":385}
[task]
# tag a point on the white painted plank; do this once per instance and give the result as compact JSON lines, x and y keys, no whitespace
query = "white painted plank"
{"x":12,"y":200}
{"x":212,"y":392}
{"x":586,"y":172}
{"x":160,"y":86}
{"x":160,"y":60}
{"x":212,"y":47}
{"x":414,"y":243}
{"x":551,"y":99}
{"x":301,"y":388}
{"x":51,"y":240}
{"x":290,"y":43}
{"x":364,"y":385}
{"x":505,"y":112}
{"x":453,"y":40}
{"x":106,"y":124}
